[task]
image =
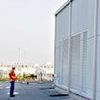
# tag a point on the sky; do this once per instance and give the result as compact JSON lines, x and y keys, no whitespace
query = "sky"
{"x":27,"y":31}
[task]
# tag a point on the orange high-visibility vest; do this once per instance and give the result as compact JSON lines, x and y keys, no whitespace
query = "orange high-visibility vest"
{"x":12,"y":76}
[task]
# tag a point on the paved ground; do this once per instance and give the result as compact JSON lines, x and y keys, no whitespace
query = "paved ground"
{"x":33,"y":91}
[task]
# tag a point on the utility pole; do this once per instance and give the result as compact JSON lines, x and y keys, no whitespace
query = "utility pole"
{"x":19,"y":57}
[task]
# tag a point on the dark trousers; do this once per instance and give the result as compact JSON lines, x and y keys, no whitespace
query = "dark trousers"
{"x":12,"y":83}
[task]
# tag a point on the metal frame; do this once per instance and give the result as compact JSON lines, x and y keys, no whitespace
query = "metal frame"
{"x":95,"y":50}
{"x":63,"y":6}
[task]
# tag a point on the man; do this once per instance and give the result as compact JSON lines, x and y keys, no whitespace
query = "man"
{"x":13,"y":78}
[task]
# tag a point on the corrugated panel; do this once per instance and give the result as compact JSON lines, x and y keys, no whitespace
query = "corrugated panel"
{"x":57,"y":34}
{"x":79,"y":65}
{"x":62,"y":24}
{"x":98,"y":70}
{"x":65,"y":63}
{"x":90,"y":68}
{"x":91,"y":17}
{"x":61,"y":63}
{"x":57,"y":64}
{"x":62,"y":30}
{"x":75,"y":63}
{"x":84,"y":64}
{"x":79,"y":16}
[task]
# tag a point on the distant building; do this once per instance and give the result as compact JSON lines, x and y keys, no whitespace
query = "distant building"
{"x":4,"y":72}
{"x":45,"y":72}
{"x":27,"y":69}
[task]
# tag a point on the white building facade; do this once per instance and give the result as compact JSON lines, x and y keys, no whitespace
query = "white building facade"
{"x":77,"y":48}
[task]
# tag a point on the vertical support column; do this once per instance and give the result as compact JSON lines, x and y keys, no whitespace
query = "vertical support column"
{"x":55,"y":69}
{"x":69,"y":48}
{"x":95,"y":50}
{"x":81,"y":63}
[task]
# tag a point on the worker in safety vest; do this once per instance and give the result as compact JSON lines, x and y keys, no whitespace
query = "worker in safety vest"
{"x":13,"y":78}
